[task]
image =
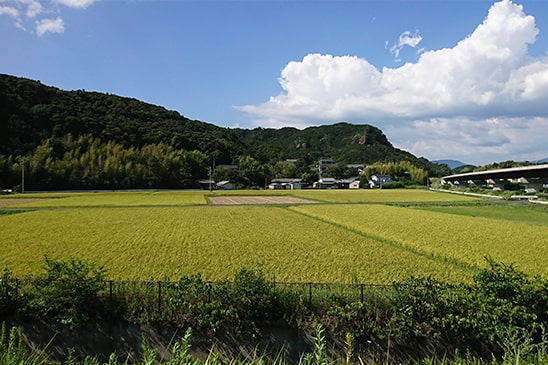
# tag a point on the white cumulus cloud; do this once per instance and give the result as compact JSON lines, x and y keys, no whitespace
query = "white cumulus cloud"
{"x":75,"y":3}
{"x":7,"y":10}
{"x":33,"y":7}
{"x":25,"y":12}
{"x":406,"y":39}
{"x":475,"y":99}
{"x":44,"y":26}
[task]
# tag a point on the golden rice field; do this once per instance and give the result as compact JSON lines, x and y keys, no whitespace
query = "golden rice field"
{"x":359,"y":196}
{"x":107,"y":199}
{"x":350,"y":236}
{"x":464,"y":240}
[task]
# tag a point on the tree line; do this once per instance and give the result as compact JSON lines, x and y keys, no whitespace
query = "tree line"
{"x":85,"y":162}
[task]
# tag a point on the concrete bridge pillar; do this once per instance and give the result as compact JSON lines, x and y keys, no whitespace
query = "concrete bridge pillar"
{"x":536,"y":184}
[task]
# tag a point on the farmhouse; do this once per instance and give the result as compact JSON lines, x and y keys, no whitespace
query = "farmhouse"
{"x":206,"y":184}
{"x":358,"y":167}
{"x":326,"y":163}
{"x":225,"y":185}
{"x":354,"y":184}
{"x":351,"y":183}
{"x":210,"y":184}
{"x":325,"y":183}
{"x":290,"y":184}
{"x":377,"y":180}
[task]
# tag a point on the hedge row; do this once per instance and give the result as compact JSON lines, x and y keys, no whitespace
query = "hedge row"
{"x":502,"y":310}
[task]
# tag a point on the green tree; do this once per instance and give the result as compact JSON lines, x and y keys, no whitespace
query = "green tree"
{"x":285,"y":169}
{"x":252,"y":173}
{"x":402,"y":171}
{"x":341,"y":171}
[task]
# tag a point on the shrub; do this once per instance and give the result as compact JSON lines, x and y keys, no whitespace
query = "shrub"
{"x":253,"y":297}
{"x":8,"y":293}
{"x":193,"y":304}
{"x":426,"y":307}
{"x":509,"y":298}
{"x":365,"y":322}
{"x":393,"y":185}
{"x":475,"y":317}
{"x":249,"y":302}
{"x":66,"y":291}
{"x":243,"y":305}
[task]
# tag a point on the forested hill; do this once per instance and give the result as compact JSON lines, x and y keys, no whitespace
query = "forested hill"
{"x":58,"y":124}
{"x":342,"y":142}
{"x":31,"y":112}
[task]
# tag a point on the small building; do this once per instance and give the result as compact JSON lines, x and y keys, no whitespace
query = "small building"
{"x":325,"y":183}
{"x":207,"y":184}
{"x":228,"y":167}
{"x":378,"y":180}
{"x":357,"y":166}
{"x":326,"y":163}
{"x":225,"y":185}
{"x":290,"y":184}
{"x":351,"y":183}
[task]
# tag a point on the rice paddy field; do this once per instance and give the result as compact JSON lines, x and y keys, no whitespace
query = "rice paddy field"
{"x":346,"y":236}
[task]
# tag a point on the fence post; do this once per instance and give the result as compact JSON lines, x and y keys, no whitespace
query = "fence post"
{"x":110,"y":292}
{"x":159,"y":295}
{"x":310,"y":295}
{"x":361,"y":293}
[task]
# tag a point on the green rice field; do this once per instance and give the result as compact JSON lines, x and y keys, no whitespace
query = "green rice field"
{"x":365,"y":236}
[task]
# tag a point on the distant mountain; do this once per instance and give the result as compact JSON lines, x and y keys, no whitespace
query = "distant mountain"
{"x":453,"y":164}
{"x":342,"y":142}
{"x":544,"y":160}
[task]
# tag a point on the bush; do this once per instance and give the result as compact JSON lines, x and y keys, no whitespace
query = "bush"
{"x":364,"y":323}
{"x":243,"y":305}
{"x":426,"y":307}
{"x":192,"y":303}
{"x":393,"y":185}
{"x":509,"y":298}
{"x":66,"y":292}
{"x":475,"y":317}
{"x":253,"y":297}
{"x":8,"y":293}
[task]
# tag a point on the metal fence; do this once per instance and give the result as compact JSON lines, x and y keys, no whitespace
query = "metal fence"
{"x":160,"y":299}
{"x":157,"y":294}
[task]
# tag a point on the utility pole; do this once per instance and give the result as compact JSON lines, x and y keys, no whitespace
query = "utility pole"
{"x":320,"y":169}
{"x":211,"y":169}
{"x":209,"y":175}
{"x":22,"y":175}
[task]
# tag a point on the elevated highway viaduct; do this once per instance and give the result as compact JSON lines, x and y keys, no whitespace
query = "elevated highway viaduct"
{"x":533,"y":177}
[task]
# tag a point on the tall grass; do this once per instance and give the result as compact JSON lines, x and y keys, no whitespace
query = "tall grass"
{"x":518,"y":350}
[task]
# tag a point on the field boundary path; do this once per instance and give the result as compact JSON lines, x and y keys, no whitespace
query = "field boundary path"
{"x":258,"y":200}
{"x":7,"y":202}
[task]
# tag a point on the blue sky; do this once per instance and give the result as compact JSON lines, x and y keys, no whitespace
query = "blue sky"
{"x":455,"y":79}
